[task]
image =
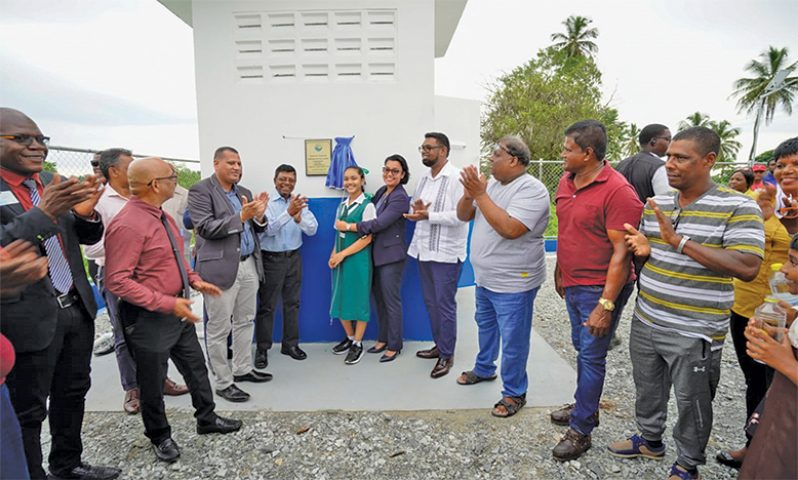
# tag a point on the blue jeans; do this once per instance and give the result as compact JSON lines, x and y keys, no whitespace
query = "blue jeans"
{"x":505,"y":317}
{"x":591,"y":358}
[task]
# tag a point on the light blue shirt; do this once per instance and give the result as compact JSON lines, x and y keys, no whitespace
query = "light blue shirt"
{"x":247,"y":240}
{"x":283,"y":234}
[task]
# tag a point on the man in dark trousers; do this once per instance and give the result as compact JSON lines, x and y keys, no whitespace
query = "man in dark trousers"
{"x":145,"y":267}
{"x":51,"y":322}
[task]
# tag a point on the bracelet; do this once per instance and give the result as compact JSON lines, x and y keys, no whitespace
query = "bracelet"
{"x":682,"y":243}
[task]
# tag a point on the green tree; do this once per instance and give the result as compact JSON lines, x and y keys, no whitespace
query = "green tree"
{"x":696,"y":119}
{"x":748,"y":90}
{"x":185,"y":176}
{"x":729,"y":146}
{"x":631,"y":142}
{"x":764,"y":157}
{"x":577,"y":41}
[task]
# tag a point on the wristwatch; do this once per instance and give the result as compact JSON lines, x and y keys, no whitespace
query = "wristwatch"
{"x":607,"y":304}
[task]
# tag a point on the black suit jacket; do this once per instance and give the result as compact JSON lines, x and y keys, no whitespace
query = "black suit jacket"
{"x":389,"y":244}
{"x":29,"y":318}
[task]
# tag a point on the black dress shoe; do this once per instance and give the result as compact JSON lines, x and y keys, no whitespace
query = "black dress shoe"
{"x":374,"y":349}
{"x":428,"y":354}
{"x":220,"y":425}
{"x":294,"y":352}
{"x":84,"y":471}
{"x":233,"y":394}
{"x":442,"y":367}
{"x":261,"y":358}
{"x":389,"y":358}
{"x":725,"y":458}
{"x":253,"y":376}
{"x":167,"y":451}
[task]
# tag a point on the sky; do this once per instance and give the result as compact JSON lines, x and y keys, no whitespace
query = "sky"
{"x":100,"y":73}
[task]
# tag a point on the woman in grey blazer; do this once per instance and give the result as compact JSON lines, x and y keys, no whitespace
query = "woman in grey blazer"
{"x":389,"y":251}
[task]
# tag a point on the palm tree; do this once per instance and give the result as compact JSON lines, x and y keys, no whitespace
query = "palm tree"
{"x":696,"y":119}
{"x":577,"y":39}
{"x":749,"y":90}
{"x":632,"y":143}
{"x":729,"y":146}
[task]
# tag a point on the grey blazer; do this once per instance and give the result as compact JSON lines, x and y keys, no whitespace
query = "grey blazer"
{"x":219,"y":227}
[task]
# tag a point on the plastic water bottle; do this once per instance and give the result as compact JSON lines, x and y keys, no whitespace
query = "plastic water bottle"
{"x":780,"y":286}
{"x":771,"y":314}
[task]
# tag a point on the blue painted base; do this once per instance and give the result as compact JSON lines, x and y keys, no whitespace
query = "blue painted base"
{"x":314,"y":317}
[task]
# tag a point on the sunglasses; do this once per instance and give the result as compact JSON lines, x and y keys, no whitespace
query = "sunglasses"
{"x":27,"y":140}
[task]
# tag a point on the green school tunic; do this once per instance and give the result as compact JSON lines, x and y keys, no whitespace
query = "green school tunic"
{"x":351,"y":284}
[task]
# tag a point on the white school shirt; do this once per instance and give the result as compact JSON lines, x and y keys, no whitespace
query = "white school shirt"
{"x":443,"y":237}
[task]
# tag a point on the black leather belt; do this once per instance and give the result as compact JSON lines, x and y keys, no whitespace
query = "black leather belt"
{"x":66,"y":300}
{"x":289,"y":253}
{"x":244,"y":257}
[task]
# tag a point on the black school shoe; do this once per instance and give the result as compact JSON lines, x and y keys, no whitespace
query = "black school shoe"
{"x":355,"y":354}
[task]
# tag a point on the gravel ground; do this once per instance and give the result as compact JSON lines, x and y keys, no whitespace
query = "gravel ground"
{"x":457,"y":444}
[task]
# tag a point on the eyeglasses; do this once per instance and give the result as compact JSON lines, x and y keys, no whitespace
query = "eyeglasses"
{"x":675,"y":215}
{"x":501,"y":148}
{"x":392,"y":171}
{"x":170,"y":177}
{"x":428,"y":148}
{"x":27,"y":140}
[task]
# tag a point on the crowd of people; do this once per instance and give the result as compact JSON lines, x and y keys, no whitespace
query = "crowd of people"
{"x":699,"y":253}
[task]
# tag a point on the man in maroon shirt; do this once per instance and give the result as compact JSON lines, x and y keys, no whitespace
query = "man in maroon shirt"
{"x":594,"y":271}
{"x":142,"y":269}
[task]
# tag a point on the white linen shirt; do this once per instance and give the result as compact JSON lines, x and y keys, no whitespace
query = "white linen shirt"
{"x":442,"y":238}
{"x":109,"y":204}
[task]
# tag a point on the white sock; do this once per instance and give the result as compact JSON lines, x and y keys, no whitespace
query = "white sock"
{"x":351,"y":338}
{"x":357,"y":343}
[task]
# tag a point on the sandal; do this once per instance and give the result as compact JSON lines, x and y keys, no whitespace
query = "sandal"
{"x":472,"y":378}
{"x":511,"y":406}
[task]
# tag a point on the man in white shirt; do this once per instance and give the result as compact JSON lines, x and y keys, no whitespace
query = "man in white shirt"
{"x":439,"y":245}
{"x":113,"y":163}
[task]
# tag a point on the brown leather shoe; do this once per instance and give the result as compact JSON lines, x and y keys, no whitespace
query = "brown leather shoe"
{"x":442,"y":367}
{"x":562,"y":416}
{"x":572,"y":446}
{"x":132,"y":404}
{"x":428,"y":354}
{"x":173,"y":389}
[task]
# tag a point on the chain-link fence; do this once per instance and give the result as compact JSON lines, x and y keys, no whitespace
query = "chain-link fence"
{"x":550,"y":171}
{"x":70,"y":161}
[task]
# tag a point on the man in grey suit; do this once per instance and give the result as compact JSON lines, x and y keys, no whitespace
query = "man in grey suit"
{"x":227,"y":219}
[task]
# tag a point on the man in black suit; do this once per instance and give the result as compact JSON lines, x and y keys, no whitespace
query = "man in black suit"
{"x":51,"y":322}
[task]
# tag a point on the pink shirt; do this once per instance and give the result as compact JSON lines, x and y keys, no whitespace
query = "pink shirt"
{"x":140,"y":266}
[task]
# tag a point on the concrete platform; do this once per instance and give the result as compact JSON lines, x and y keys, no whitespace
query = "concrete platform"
{"x":324,"y":382}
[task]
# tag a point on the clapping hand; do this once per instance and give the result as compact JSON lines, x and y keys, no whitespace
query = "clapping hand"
{"x":419,"y":211}
{"x":474,"y":183}
{"x":20,"y":265}
{"x":296,"y":204}
{"x":62,"y":195}
{"x":254,"y":209}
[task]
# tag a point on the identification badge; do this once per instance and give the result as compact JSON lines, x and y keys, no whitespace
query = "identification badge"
{"x":342,"y":234}
{"x":7,"y":198}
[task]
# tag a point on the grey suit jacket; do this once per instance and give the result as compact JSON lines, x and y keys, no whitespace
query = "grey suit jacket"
{"x":219,"y":227}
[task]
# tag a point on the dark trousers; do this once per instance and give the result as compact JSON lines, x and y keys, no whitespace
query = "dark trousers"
{"x":153,"y":338}
{"x":283,"y":278}
{"x":61,"y":371}
{"x":388,"y":298}
{"x":757,"y":376}
{"x":127,"y":368}
{"x":439,"y":286}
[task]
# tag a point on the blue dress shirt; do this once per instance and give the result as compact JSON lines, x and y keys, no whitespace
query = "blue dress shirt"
{"x":247,"y":240}
{"x":282,"y":233}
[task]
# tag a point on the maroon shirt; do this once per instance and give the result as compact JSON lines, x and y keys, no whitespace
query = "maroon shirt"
{"x":583,"y":218}
{"x":140,"y":266}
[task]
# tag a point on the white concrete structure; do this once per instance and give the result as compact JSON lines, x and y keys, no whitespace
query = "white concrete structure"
{"x":272,"y":73}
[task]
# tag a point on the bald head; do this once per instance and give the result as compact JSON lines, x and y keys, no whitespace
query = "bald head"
{"x":152,"y":180}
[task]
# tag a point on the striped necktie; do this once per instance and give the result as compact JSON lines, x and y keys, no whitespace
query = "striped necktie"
{"x":60,"y":274}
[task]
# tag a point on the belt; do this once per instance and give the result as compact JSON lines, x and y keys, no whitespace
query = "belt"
{"x":66,"y":300}
{"x":289,"y":253}
{"x":244,"y":257}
